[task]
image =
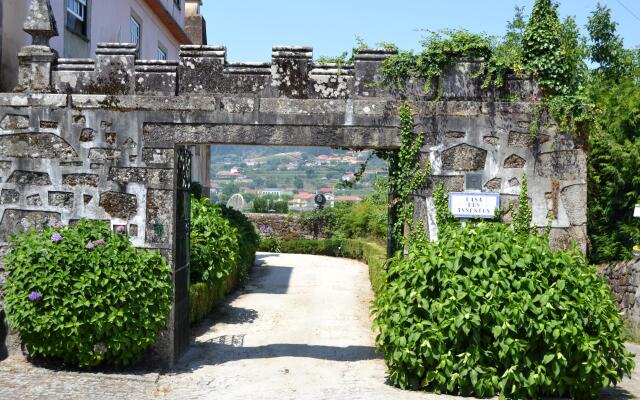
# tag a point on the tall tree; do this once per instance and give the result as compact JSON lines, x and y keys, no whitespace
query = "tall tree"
{"x":607,"y":47}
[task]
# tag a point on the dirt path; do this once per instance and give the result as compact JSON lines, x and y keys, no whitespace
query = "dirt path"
{"x":299,"y":330}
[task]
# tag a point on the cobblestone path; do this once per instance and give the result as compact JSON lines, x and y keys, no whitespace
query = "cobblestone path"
{"x":299,"y":330}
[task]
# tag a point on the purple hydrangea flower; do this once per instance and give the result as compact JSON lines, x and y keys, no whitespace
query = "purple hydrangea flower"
{"x":90,"y":245}
{"x":35,"y":296}
{"x":56,"y":237}
{"x":100,"y":241}
{"x":120,"y":228}
{"x":58,"y":225}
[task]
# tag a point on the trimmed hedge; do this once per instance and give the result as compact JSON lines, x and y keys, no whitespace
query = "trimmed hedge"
{"x":220,"y":226}
{"x":370,"y":253}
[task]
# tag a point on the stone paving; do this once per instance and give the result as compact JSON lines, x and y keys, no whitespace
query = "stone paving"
{"x":299,"y":330}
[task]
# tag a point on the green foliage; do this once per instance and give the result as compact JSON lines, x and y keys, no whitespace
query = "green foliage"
{"x":522,"y":218}
{"x":614,"y":162}
{"x":370,"y":253}
{"x":222,"y":255}
{"x":265,"y":204}
{"x":607,"y":48}
{"x":214,"y":242}
{"x":366,"y":219}
{"x":444,"y":218}
{"x":485,"y":311}
{"x":542,"y":45}
{"x":407,"y":175}
{"x":440,"y":49}
{"x":204,"y":296}
{"x":248,"y":239}
{"x":100,"y":302}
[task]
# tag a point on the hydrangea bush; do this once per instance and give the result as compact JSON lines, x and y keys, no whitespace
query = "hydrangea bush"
{"x":485,"y":311}
{"x":83,"y":294}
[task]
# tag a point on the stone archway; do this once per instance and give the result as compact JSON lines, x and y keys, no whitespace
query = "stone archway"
{"x":98,"y":138}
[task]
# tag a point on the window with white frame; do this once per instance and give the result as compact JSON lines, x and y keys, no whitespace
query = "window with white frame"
{"x":136,"y":33}
{"x":77,"y":16}
{"x":161,"y":53}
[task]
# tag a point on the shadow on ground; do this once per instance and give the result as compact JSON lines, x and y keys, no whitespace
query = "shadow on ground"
{"x":229,"y":348}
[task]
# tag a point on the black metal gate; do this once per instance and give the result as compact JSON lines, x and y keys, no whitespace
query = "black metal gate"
{"x":181,"y":253}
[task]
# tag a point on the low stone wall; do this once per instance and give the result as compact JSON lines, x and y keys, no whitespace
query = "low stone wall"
{"x":280,"y":226}
{"x":624,"y":279}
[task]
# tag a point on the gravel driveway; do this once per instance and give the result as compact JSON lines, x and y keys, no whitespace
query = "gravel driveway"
{"x":300,"y":329}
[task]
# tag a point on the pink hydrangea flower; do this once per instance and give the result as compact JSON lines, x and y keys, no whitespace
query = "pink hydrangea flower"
{"x":120,"y":228}
{"x":100,"y":241}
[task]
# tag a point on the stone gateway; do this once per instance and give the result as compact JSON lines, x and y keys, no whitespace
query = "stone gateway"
{"x":105,"y":138}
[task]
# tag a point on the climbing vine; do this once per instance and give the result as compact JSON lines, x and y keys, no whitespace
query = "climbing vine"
{"x":407,"y":174}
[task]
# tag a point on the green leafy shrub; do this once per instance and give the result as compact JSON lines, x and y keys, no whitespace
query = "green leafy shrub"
{"x":248,"y":238}
{"x":486,"y":311}
{"x":204,"y":296}
{"x":223,"y":250}
{"x":85,"y":295}
{"x":214,"y":242}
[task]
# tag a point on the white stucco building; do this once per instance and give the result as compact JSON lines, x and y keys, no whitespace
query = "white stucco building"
{"x":158,"y":26}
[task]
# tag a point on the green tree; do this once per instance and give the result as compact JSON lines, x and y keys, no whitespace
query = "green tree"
{"x":298,"y":182}
{"x":260,"y":205}
{"x":607,"y":48}
{"x":542,"y":45}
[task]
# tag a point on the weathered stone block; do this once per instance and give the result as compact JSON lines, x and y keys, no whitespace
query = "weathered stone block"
{"x":81,"y":180}
{"x":29,"y":178}
{"x":9,"y":196}
{"x":104,"y":154}
{"x":454,"y":135}
{"x":158,"y":157}
{"x":493,"y":185}
{"x":119,"y":205}
{"x":12,"y":122}
{"x":159,"y":216}
{"x":514,"y":161}
{"x":36,"y":145}
{"x":491,"y":140}
{"x":464,"y":157}
{"x":564,"y":165}
{"x":519,"y":139}
{"x":450,"y":183}
{"x":48,"y":125}
{"x":110,"y":137}
{"x":153,"y":178}
{"x":61,"y":199}
{"x":14,"y":221}
{"x":87,"y":135}
{"x":574,"y":200}
{"x":34,"y":200}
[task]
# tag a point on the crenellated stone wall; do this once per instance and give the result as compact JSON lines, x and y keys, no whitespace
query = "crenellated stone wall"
{"x":98,"y":138}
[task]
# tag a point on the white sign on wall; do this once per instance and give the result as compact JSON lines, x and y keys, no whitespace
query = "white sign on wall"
{"x":474,"y":205}
{"x":636,"y":211}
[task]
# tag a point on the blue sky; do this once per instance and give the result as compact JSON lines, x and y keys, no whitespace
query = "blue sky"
{"x":249,"y":28}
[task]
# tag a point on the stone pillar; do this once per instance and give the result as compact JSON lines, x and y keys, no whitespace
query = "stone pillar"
{"x":194,"y":24}
{"x":200,"y":68}
{"x":35,"y":61}
{"x":290,"y":70}
{"x":115,"y":68}
{"x":367,"y":70}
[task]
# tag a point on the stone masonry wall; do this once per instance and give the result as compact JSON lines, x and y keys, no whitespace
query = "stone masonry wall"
{"x":624,"y":279}
{"x":98,"y":138}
